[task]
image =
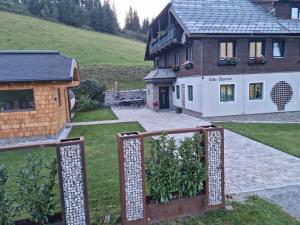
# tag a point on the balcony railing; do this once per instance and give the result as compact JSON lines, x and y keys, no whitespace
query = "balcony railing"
{"x":171,"y":35}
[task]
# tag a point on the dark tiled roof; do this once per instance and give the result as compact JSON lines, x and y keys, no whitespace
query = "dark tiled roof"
{"x":292,"y":25}
{"x":225,"y":17}
{"x":28,"y":66}
{"x":160,"y":74}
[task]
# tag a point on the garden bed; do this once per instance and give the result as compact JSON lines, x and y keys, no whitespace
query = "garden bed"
{"x":176,"y":208}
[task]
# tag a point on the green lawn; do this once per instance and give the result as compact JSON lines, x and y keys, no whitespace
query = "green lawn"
{"x":284,"y":137}
{"x":96,"y":115}
{"x":103,"y":181}
{"x":103,"y":57}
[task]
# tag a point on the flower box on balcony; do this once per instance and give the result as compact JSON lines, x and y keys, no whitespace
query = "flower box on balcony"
{"x":176,"y":68}
{"x":257,"y":60}
{"x":228,"y":61}
{"x":188,"y":65}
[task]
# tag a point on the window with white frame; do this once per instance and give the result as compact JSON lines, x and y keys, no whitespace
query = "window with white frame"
{"x":278,"y":48}
{"x":227,"y":50}
{"x":256,"y":49}
{"x":256,"y":91}
{"x":295,"y":13}
{"x":227,"y":92}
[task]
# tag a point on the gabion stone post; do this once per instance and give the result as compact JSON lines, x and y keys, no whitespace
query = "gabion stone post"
{"x":72,"y":180}
{"x":214,"y":152}
{"x":132,"y":178}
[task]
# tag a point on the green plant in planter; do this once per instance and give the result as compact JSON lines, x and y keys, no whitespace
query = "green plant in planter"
{"x":175,"y":170}
{"x":35,"y":183}
{"x":162,"y":169}
{"x":192,"y":166}
{"x":8,"y":207}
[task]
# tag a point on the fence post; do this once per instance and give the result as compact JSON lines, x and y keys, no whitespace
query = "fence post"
{"x":132,"y":178}
{"x":214,"y":154}
{"x":72,"y":180}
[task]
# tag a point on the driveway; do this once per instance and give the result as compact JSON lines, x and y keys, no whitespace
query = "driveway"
{"x":249,"y":166}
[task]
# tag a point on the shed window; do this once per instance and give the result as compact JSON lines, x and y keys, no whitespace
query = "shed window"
{"x":255,"y":91}
{"x":227,"y":50}
{"x":257,"y":49}
{"x":190,"y":93}
{"x":295,"y":13}
{"x":17,"y":100}
{"x":278,"y":48}
{"x":59,"y":97}
{"x":227,"y":93}
{"x":177,"y":91}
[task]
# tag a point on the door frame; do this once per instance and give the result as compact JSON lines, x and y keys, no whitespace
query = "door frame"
{"x":168,"y":97}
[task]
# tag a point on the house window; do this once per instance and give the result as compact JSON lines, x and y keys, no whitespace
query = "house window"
{"x":295,"y":13}
{"x":227,"y":93}
{"x":17,"y":100}
{"x":190,"y":93}
{"x":177,"y":58}
{"x":177,"y":91}
{"x":255,"y":91}
{"x":256,"y":49}
{"x":227,"y":50}
{"x":278,"y":48}
{"x":189,"y":53}
{"x":156,"y":62}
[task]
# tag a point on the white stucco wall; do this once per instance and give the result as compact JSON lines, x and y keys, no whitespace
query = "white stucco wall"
{"x":207,"y":94}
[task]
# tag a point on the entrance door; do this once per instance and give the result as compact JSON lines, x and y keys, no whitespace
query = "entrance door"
{"x":164,"y":98}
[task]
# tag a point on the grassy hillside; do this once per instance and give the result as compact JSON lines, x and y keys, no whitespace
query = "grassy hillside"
{"x":97,"y":53}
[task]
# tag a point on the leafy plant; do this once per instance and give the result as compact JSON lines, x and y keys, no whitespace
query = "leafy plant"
{"x":8,"y":207}
{"x":35,"y":183}
{"x":92,"y":89}
{"x":175,"y":170}
{"x":162,"y":169}
{"x":85,"y":104}
{"x":192,"y":166}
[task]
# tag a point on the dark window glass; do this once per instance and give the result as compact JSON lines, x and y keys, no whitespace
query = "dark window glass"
{"x":17,"y":100}
{"x":177,"y":58}
{"x":278,"y":48}
{"x":177,"y":91}
{"x":189,"y":53}
{"x":190,"y":93}
{"x":227,"y":93}
{"x":226,"y":50}
{"x":256,"y":49}
{"x":256,"y":91}
{"x":59,"y":97}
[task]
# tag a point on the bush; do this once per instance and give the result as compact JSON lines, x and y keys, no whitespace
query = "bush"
{"x":175,"y":170}
{"x":35,"y":183}
{"x":90,"y":95}
{"x":92,"y":89}
{"x":85,"y":104}
{"x":8,"y":207}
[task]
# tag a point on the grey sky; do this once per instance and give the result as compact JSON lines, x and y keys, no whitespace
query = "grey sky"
{"x":145,"y":8}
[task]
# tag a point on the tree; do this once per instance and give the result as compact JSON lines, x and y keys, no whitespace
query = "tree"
{"x":96,"y":17}
{"x":129,"y":19}
{"x":136,"y":26}
{"x":145,"y":26}
{"x":35,"y":7}
{"x":110,"y":22}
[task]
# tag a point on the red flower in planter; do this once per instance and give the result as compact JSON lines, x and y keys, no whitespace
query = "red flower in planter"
{"x":155,"y":105}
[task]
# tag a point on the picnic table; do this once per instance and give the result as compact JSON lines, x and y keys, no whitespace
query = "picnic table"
{"x":130,"y":102}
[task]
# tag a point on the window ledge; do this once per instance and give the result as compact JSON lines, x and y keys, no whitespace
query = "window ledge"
{"x":22,"y":110}
{"x":228,"y":62}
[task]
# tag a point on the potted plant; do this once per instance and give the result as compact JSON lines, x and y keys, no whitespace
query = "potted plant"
{"x":257,"y":60}
{"x":155,"y":105}
{"x":228,"y":61}
{"x":176,"y":68}
{"x":188,"y":65}
{"x":180,"y":168}
{"x":178,"y":110}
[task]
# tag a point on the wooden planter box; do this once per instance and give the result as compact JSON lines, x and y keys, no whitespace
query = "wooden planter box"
{"x":175,"y":209}
{"x":53,"y":220}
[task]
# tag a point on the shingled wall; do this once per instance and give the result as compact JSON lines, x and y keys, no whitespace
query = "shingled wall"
{"x":48,"y":118}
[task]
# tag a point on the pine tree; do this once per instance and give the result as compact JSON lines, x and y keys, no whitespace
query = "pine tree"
{"x":129,"y":19}
{"x":136,"y":26}
{"x":96,"y":17}
{"x":145,"y":26}
{"x":110,"y":22}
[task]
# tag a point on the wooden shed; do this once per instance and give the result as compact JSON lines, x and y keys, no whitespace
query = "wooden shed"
{"x":34,"y":92}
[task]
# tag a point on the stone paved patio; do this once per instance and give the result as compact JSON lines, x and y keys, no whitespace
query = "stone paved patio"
{"x":249,"y":166}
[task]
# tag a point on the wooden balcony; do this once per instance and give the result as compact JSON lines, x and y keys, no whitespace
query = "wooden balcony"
{"x":170,"y":36}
